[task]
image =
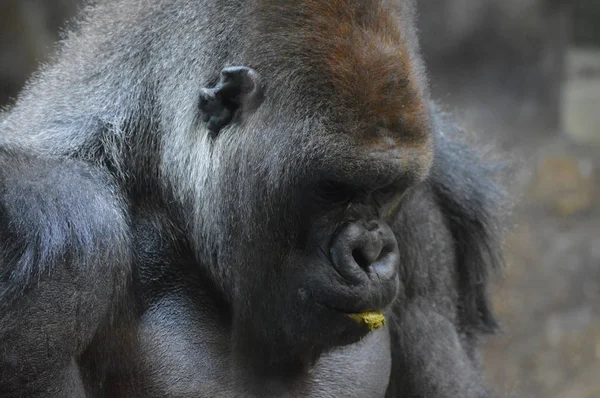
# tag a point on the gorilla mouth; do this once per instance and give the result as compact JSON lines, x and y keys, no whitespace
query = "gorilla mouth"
{"x":337,"y":328}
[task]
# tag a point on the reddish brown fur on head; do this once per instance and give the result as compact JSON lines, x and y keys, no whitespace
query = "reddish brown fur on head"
{"x":370,"y":67}
{"x":356,"y":52}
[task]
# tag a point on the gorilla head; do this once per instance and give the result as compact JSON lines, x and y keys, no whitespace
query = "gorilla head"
{"x":297,"y":173}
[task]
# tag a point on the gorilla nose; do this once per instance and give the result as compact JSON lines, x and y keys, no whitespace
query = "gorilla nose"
{"x":365,"y":249}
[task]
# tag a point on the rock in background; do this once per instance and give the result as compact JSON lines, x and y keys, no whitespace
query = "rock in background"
{"x":586,"y":30}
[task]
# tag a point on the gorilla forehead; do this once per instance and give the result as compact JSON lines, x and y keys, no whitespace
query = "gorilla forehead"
{"x":355,"y":57}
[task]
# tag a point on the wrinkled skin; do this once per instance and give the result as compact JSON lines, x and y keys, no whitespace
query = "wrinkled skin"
{"x":196,"y":198}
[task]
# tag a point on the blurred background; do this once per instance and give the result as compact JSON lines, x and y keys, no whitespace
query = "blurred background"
{"x":524,"y":74}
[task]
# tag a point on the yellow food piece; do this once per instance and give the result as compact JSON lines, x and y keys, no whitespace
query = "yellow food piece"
{"x":372,"y":319}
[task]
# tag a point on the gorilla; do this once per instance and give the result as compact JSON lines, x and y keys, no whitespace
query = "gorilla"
{"x":242,"y":198}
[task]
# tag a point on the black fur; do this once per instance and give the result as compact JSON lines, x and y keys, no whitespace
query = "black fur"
{"x":142,"y":254}
{"x":456,"y":223}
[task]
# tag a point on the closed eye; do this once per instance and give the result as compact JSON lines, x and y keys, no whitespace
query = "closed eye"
{"x":334,"y":193}
{"x":387,"y":191}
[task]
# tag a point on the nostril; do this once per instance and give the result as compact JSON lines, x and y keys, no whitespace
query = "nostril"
{"x":364,"y":256}
{"x":359,"y":258}
{"x":361,"y":255}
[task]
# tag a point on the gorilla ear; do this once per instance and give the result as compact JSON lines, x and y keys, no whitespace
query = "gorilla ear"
{"x":238,"y":92}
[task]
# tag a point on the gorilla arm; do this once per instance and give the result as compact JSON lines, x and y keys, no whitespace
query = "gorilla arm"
{"x":64,"y":256}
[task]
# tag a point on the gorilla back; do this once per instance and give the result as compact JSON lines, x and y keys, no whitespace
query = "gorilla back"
{"x":227,"y":198}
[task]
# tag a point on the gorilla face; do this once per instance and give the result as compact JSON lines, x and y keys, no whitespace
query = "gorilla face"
{"x":294,"y":193}
{"x":298,"y":213}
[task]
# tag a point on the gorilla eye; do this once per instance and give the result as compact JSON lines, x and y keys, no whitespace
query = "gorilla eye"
{"x":335,"y":193}
{"x":388,"y":191}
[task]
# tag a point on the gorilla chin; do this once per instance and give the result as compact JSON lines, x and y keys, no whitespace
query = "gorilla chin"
{"x":320,"y":317}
